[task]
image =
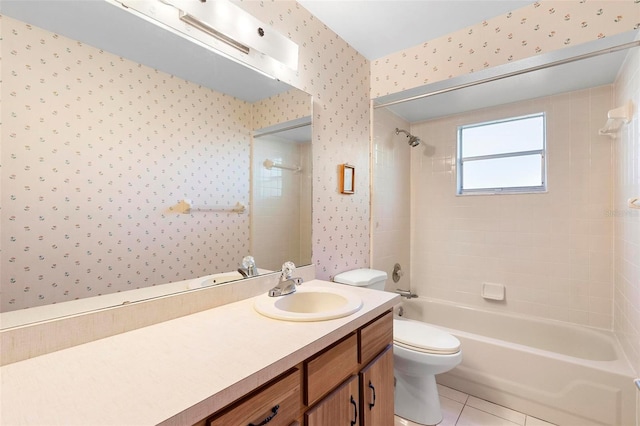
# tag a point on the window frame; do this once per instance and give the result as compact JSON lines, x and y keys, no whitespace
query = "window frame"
{"x":460,"y":160}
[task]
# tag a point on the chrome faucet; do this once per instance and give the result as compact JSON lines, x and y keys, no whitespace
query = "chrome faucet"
{"x":248,"y":268}
{"x":287,"y":284}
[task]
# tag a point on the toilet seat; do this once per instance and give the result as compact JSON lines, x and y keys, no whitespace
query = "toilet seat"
{"x":418,"y":336}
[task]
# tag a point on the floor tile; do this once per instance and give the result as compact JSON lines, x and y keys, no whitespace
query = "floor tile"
{"x":473,"y":417}
{"x":533,"y":421}
{"x":497,"y":410}
{"x":450,"y":393}
{"x":450,"y":411}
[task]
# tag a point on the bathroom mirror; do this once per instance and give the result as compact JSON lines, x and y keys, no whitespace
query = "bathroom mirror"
{"x":109,"y":124}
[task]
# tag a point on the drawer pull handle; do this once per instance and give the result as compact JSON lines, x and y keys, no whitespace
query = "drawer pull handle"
{"x":355,"y":412}
{"x":274,"y":410}
{"x":372,"y":404}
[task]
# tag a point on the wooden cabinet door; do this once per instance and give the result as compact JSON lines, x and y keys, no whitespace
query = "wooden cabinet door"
{"x":339,"y":408}
{"x":376,"y":390}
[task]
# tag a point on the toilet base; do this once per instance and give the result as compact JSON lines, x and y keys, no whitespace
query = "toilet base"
{"x":416,"y":399}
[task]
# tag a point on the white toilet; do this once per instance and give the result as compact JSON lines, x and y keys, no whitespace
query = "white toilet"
{"x":420,"y":352}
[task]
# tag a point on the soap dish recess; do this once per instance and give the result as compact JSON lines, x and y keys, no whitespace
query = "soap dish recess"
{"x":493,"y":291}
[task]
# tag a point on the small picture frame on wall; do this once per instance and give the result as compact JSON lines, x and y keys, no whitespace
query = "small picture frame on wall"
{"x":347,"y":179}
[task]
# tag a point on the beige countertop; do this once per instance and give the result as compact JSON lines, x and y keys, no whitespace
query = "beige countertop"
{"x":174,"y":372}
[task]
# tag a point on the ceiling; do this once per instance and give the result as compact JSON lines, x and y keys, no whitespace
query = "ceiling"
{"x":377,"y":28}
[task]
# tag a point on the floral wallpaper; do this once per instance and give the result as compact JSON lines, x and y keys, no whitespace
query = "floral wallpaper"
{"x":96,"y":149}
{"x":280,"y":108}
{"x":543,"y":26}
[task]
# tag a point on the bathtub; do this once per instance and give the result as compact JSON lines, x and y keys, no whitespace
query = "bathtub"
{"x":558,"y":372}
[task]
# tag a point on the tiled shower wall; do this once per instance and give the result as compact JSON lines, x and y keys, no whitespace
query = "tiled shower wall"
{"x":626,"y":220}
{"x":552,"y":251}
{"x":390,"y":201}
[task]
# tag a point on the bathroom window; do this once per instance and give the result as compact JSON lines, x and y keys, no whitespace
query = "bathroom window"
{"x":505,"y":156}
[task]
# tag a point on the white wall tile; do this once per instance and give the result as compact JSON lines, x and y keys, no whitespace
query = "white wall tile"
{"x":552,"y":251}
{"x":626,"y":221}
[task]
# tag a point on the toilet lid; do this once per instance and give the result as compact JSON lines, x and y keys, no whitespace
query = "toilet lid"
{"x":421,"y":337}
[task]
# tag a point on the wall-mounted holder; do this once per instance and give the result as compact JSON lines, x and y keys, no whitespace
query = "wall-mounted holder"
{"x":616,"y":118}
{"x":269,"y":164}
{"x":186,"y":206}
{"x":493,"y":291}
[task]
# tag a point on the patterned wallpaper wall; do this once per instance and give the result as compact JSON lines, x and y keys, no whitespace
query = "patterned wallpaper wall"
{"x":541,"y":27}
{"x":95,"y":150}
{"x":280,"y":108}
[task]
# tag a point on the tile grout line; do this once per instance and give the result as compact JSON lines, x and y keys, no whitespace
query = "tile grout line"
{"x":487,"y":412}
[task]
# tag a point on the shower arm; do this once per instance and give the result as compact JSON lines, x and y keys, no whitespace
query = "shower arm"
{"x":403,"y":131}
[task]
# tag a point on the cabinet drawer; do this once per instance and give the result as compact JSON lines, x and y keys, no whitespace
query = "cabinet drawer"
{"x":279,"y":400}
{"x":374,"y":337}
{"x":331,"y":367}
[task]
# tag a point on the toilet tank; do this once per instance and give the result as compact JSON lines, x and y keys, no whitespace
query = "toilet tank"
{"x":364,"y":277}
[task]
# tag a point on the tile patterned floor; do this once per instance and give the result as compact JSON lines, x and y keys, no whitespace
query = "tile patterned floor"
{"x":460,"y":409}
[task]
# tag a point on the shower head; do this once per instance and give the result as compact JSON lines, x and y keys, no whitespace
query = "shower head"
{"x":413,"y":140}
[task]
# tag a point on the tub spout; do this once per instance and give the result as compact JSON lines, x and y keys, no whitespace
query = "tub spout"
{"x":406,"y":293}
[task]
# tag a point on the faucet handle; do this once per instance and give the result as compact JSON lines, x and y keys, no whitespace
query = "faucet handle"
{"x":248,"y":261}
{"x":287,"y":269}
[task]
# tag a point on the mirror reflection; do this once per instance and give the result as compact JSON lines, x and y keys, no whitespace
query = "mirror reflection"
{"x":99,"y":150}
{"x":281,"y":194}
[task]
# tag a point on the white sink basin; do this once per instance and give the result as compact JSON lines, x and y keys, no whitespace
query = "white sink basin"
{"x":309,"y":304}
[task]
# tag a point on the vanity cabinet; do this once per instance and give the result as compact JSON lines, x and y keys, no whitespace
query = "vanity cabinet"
{"x":348,"y":383}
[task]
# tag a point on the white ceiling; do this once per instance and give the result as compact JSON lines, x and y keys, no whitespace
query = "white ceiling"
{"x":377,"y":28}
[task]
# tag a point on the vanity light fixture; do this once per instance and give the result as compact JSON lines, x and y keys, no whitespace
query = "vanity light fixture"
{"x":222,"y":27}
{"x":202,"y":26}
